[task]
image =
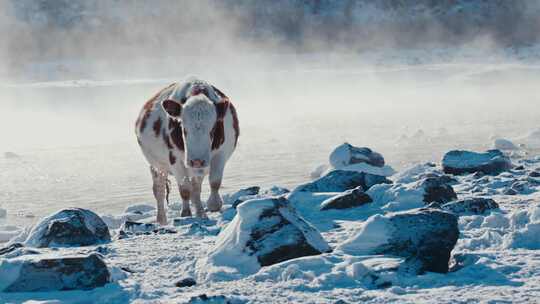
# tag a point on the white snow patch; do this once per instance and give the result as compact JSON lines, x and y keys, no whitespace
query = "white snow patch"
{"x":374,"y":233}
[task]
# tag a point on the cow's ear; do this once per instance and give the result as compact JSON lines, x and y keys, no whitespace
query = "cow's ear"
{"x":173,"y":108}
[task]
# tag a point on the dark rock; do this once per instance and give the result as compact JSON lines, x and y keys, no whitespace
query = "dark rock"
{"x":519,"y":168}
{"x":510,"y":191}
{"x":347,"y":154}
{"x":62,"y":273}
{"x":348,"y":199}
{"x":475,"y":205}
{"x":186,"y":282}
{"x":424,"y":237}
{"x":69,"y":227}
{"x":341,"y":180}
{"x":271,"y":232}
{"x":130,"y":228}
{"x":242,"y":195}
{"x":438,"y":189}
{"x":215,"y":300}
{"x":491,"y":162}
{"x":462,"y":260}
{"x":534,"y":173}
{"x":10,"y":248}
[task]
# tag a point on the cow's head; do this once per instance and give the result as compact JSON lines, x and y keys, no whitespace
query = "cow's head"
{"x":198,"y":116}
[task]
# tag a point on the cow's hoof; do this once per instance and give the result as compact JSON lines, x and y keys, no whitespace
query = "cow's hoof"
{"x":214,"y":203}
{"x":185,"y":213}
{"x":162,"y":220}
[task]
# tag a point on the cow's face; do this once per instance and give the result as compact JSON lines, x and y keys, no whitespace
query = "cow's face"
{"x":198,"y":116}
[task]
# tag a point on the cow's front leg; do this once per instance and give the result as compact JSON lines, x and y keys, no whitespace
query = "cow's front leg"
{"x":159,"y":179}
{"x":196,"y":182}
{"x":215,"y":202}
{"x":185,"y":193}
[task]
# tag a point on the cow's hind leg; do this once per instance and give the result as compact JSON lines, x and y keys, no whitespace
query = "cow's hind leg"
{"x":196,"y":182}
{"x":159,"y":178}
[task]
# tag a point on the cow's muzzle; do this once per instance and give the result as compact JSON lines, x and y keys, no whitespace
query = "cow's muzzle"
{"x":197,"y":163}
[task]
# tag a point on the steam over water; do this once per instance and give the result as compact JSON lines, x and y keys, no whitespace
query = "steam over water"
{"x":77,"y":145}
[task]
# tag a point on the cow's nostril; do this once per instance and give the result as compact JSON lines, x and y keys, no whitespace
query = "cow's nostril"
{"x":196,"y":163}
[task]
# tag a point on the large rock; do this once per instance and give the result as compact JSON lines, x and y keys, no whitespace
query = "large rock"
{"x":347,"y":154}
{"x":491,"y":162}
{"x":264,"y":232}
{"x":469,"y":206}
{"x":348,"y":199}
{"x":38,"y":273}
{"x":413,"y":193}
{"x":254,"y":192}
{"x":342,"y":180}
{"x":438,"y":189}
{"x":69,"y":227}
{"x":425,"y":237}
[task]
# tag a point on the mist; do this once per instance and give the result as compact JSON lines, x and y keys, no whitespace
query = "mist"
{"x":305,"y":76}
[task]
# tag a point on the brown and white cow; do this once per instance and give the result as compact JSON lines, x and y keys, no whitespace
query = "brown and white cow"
{"x":189,"y":130}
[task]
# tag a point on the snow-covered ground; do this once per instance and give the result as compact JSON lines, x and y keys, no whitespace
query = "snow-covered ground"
{"x":496,"y":256}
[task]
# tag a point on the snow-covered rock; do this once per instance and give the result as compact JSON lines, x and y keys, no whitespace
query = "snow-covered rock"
{"x":254,"y":192}
{"x":69,"y":227}
{"x":504,"y":145}
{"x":264,"y":232}
{"x":491,"y":162}
{"x":53,"y":273}
{"x":425,"y":237}
{"x":349,"y":199}
{"x":140,"y":209}
{"x":347,"y":154}
{"x":341,"y":180}
{"x":363,"y":160}
{"x":415,"y":194}
{"x":477,"y":205}
{"x":241,"y":195}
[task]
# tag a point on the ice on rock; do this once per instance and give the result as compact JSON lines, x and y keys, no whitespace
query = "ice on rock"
{"x":491,"y":162}
{"x":264,"y":232}
{"x":69,"y":227}
{"x":425,"y":237}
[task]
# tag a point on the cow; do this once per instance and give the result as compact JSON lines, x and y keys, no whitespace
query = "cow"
{"x":189,"y":130}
